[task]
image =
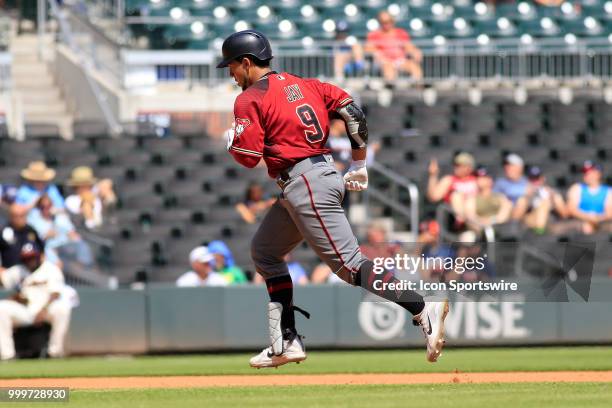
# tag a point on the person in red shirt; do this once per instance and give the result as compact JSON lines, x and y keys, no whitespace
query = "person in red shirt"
{"x":285,"y":120}
{"x":454,"y":189}
{"x":393,"y":50}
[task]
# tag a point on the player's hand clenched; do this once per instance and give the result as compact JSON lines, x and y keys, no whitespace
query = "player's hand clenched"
{"x":228,"y":136}
{"x":356,"y":178}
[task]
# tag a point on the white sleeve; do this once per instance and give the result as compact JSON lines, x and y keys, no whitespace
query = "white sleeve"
{"x":187,"y":280}
{"x":55,"y":277}
{"x":73,"y":204}
{"x":11,"y":278}
{"x":215,"y":279}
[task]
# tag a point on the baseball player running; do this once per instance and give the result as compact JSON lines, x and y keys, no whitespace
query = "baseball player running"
{"x":285,"y":120}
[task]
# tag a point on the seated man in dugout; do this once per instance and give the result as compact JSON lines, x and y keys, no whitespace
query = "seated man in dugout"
{"x":37,"y":300}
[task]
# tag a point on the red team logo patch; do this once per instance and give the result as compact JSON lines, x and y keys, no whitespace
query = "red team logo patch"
{"x":241,"y":125}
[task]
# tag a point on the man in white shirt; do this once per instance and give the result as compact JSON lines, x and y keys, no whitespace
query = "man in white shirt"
{"x":202,"y":273}
{"x":36,"y":301}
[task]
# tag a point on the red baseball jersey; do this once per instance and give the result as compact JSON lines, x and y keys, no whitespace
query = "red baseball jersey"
{"x":284,"y":119}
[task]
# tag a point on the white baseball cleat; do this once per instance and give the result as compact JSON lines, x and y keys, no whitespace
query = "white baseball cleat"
{"x":431,"y":320}
{"x":293,"y":352}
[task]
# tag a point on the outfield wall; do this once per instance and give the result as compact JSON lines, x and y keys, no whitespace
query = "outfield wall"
{"x":165,"y":319}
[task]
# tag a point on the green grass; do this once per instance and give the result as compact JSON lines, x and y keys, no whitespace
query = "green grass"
{"x":405,"y":361}
{"x":570,"y":395}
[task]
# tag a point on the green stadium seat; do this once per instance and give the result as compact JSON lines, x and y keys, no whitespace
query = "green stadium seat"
{"x":490,"y":27}
{"x":199,"y":44}
{"x":483,"y":22}
{"x":534,"y":27}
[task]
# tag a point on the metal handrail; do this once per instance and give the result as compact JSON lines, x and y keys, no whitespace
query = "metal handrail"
{"x":411,"y":211}
{"x":77,"y":18}
{"x":86,"y":62}
{"x":5,"y":70}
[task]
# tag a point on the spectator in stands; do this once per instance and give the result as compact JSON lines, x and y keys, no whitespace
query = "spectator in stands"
{"x":430,"y":246}
{"x":348,"y":57}
{"x":36,"y":301}
{"x":322,"y":274}
{"x":7,"y":197}
{"x":8,"y":194}
{"x":535,"y":207}
{"x":201,"y":273}
{"x":513,"y":184}
{"x":91,"y":197}
{"x":63,"y":242}
{"x":225,"y":264}
{"x":487,"y":207}
{"x":469,"y":248}
{"x":454,"y":189}
{"x":549,"y":3}
{"x":296,"y":270}
{"x":377,"y":244}
{"x":591,"y":201}
{"x":13,"y":236}
{"x":255,"y":203}
{"x":393,"y":50}
{"x":38,"y":177}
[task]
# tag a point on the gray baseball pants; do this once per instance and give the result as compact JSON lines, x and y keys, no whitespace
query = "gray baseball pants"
{"x":309,"y":208}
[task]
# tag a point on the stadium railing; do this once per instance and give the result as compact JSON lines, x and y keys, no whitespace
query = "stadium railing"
{"x":11,"y":108}
{"x":89,"y":57}
{"x":5,"y":71}
{"x":391,"y":198}
{"x":455,"y":60}
{"x":515,"y":59}
{"x":445,"y":214}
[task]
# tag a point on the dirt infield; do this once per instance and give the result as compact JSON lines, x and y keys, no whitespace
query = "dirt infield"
{"x":322,"y":379}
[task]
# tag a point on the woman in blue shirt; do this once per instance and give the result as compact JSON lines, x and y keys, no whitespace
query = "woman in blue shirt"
{"x":591,"y":201}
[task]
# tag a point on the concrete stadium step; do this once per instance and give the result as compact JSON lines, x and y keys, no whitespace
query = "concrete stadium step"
{"x":29,"y":69}
{"x":34,"y":109}
{"x":30,"y":40}
{"x":25,"y":58}
{"x":42,"y":99}
{"x":45,"y":95}
{"x":25,"y":51}
{"x":62,"y":121}
{"x":33,"y":82}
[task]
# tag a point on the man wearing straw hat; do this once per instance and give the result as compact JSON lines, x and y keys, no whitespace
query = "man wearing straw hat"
{"x":91,"y":196}
{"x":38,"y":177}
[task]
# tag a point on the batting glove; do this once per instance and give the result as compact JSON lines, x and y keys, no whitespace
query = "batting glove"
{"x":228,"y":135}
{"x":356,"y":178}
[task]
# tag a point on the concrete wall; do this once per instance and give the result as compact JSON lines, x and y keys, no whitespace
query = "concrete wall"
{"x":163,"y":318}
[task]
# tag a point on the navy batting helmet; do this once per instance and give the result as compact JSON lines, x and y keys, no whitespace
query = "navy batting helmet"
{"x":243,"y":43}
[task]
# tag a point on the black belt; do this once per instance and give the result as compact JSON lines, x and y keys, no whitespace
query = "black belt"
{"x":286,"y":174}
